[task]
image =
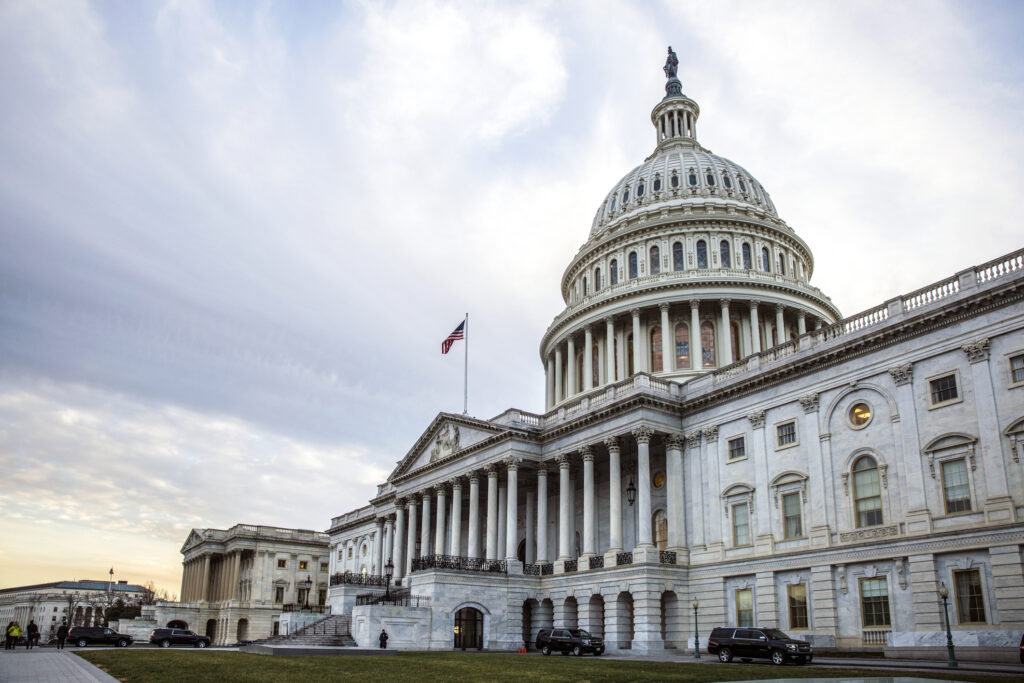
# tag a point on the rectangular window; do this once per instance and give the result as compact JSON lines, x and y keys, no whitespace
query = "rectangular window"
{"x":954,"y":486}
{"x":970,"y":605}
{"x":279,"y":594}
{"x":1017,"y":369}
{"x":745,"y":608}
{"x":324,"y":567}
{"x":741,"y":524}
{"x":787,"y":433}
{"x":944,"y":389}
{"x":281,"y":564}
{"x":874,"y":602}
{"x":791,"y":517}
{"x":737,"y":448}
{"x":302,"y":596}
{"x":303,"y":564}
{"x":341,"y":554}
{"x":797,"y":605}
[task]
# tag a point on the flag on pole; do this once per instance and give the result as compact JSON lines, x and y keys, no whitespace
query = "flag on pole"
{"x":459,"y":333}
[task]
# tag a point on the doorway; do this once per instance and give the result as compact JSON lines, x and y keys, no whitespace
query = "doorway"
{"x":469,"y":629}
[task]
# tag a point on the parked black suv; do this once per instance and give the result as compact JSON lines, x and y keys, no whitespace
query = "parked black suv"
{"x":576,"y":641}
{"x":97,"y":635}
{"x":758,"y":643}
{"x":165,"y":637}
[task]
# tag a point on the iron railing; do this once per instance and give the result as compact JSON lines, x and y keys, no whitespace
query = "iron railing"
{"x":400,"y":598}
{"x":571,"y":566}
{"x":296,"y":607}
{"x":454,"y":562}
{"x":538,"y":569}
{"x":346,"y":578}
{"x":623,"y":558}
{"x":597,"y":562}
{"x":667,"y":557}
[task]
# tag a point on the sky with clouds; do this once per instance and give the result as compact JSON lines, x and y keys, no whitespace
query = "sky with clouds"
{"x":233,"y":235}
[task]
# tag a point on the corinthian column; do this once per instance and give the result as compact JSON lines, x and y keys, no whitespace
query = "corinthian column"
{"x":410,"y":542}
{"x":643,"y":495}
{"x":614,"y":495}
{"x":456,"y":542}
{"x":588,"y":359}
{"x":399,"y":539}
{"x":542,"y":513}
{"x":571,"y":369}
{"x":563,"y":506}
{"x":512,"y":509}
{"x":637,"y":341}
{"x":492,"y":513}
{"x":676,"y":490}
{"x":755,"y":329}
{"x":425,"y":528}
{"x":439,"y":524}
{"x":609,"y":350}
{"x":588,"y":500}
{"x":474,"y":515}
{"x":558,"y":374}
{"x":726,"y":335}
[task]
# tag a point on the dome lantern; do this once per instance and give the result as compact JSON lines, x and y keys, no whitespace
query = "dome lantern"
{"x":675,"y":117}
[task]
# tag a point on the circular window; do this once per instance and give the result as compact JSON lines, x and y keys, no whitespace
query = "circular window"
{"x":860,"y":414}
{"x":658,"y":480}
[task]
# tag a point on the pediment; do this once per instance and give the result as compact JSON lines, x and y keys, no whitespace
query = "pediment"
{"x":446,"y":437}
{"x":195,"y":537}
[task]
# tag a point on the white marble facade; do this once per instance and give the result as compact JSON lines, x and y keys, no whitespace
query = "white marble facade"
{"x":778,"y":463}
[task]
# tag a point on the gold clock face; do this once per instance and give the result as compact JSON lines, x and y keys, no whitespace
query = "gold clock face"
{"x":659,"y":479}
{"x":860,"y":414}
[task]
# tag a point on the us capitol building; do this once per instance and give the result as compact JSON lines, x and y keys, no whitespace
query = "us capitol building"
{"x":718,"y":441}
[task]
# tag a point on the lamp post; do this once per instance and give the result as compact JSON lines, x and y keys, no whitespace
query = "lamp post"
{"x":309,"y":587}
{"x":944,"y":592}
{"x":696,"y":638}
{"x":389,"y":571}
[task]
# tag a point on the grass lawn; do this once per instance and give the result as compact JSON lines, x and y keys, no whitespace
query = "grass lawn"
{"x":160,"y":666}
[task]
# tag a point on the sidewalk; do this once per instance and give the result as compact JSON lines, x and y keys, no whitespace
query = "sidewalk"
{"x":46,"y":664}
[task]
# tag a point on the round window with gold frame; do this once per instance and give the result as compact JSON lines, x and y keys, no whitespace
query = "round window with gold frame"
{"x":658,"y":480}
{"x":859,"y":415}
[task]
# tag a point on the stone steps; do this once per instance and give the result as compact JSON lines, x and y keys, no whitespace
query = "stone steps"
{"x":331,"y":631}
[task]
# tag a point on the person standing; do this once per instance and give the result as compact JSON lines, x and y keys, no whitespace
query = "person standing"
{"x":15,"y":633}
{"x":62,"y":634}
{"x":32,"y":636}
{"x":383,"y":639}
{"x":9,"y":636}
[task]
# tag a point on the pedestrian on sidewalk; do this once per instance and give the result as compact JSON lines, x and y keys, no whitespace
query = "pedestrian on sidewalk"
{"x":62,"y":634}
{"x":32,"y":636}
{"x":383,"y":639}
{"x":9,"y":635}
{"x":13,"y":633}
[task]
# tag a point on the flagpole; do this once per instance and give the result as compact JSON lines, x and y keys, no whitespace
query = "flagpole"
{"x":465,"y":371}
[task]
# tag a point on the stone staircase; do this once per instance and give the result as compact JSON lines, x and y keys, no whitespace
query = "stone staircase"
{"x":332,"y":631}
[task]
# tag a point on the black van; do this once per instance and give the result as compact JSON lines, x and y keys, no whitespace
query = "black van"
{"x":758,"y":643}
{"x":575,"y":641}
{"x":97,"y":635}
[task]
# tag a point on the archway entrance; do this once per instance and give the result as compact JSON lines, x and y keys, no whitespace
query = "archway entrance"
{"x":177,"y":623}
{"x":243,"y":630}
{"x":469,"y":629}
{"x":211,"y":630}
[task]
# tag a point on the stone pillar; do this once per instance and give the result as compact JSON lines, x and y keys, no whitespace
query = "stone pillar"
{"x":588,"y":359}
{"x":589,"y":519}
{"x":615,"y":617}
{"x":638,"y":343}
{"x":389,"y":541}
{"x":425,"y":525}
{"x":999,"y":508}
{"x":1008,"y":577}
{"x":512,"y":511}
{"x":780,"y":324}
{"x":204,"y":593}
{"x":410,"y":541}
{"x":647,"y":621}
{"x":696,"y":344}
{"x":924,"y":590}
{"x":502,"y":514}
{"x":542,"y":513}
{"x":801,"y":322}
{"x":492,"y":513}
{"x":559,"y":394}
{"x":570,"y":371}
{"x":726,"y":335}
{"x":531,"y":525}
{"x":822,"y":600}
{"x":643,"y":487}
{"x":440,"y":523}
{"x":609,"y":350}
{"x":473,"y":549}
{"x":563,"y":507}
{"x":399,"y":539}
{"x":675,"y":492}
{"x":760,"y":508}
{"x":614,"y":496}
{"x":919,"y":518}
{"x":549,"y":384}
{"x":767,"y":607}
{"x":668,"y":359}
{"x":456,"y":540}
{"x":378,"y":548}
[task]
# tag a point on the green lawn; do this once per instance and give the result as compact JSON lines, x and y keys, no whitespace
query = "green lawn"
{"x":160,"y":666}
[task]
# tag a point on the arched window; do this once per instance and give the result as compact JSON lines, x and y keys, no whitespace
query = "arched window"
{"x":867,"y":493}
{"x":724,"y":248}
{"x":579,"y":372}
{"x":640,"y":189}
{"x":746,"y":256}
{"x":743,"y":186}
{"x":613,"y":203}
{"x":615,"y":272}
{"x":586,"y":291}
{"x":657,"y":184}
{"x":629,"y":356}
{"x":766,"y":261}
{"x":707,"y":344}
{"x":625,"y":196}
{"x":710,"y":178}
{"x":675,"y":179}
{"x":727,"y":181}
{"x":595,"y":365}
{"x":657,"y":359}
{"x":632,"y":265}
{"x":655,"y":260}
{"x":660,"y":526}
{"x":682,"y":346}
{"x":597,"y":279}
{"x":693,"y":179}
{"x":734,"y":339}
{"x":677,"y":256}
{"x":702,"y":254}
{"x":782,"y":264}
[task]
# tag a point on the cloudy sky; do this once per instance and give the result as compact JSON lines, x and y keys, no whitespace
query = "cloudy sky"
{"x":233,"y":235}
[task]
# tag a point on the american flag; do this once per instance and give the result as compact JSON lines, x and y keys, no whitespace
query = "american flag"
{"x":459,"y":333}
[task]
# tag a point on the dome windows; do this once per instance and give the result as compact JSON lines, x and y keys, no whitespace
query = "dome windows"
{"x":702,"y":254}
{"x":682,"y":346}
{"x":710,"y":178}
{"x":640,"y":189}
{"x":632,"y":265}
{"x":727,"y":181}
{"x":746,"y":256}
{"x":782,"y":264}
{"x":597,"y":279}
{"x":724,"y":249}
{"x":613,"y":268}
{"x":707,"y":344}
{"x":692,"y":178}
{"x":613,"y":203}
{"x":657,"y":184}
{"x":743,"y":186}
{"x":625,"y":196}
{"x":677,"y":256}
{"x":675,"y":179}
{"x":655,"y":261}
{"x":586,"y":290}
{"x":657,"y":361}
{"x":766,"y":260}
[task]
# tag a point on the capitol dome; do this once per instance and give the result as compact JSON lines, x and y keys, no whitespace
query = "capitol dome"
{"x":687,"y":269}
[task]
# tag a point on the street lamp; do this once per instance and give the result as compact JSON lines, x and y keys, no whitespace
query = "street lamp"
{"x":944,"y":592}
{"x":389,"y":571}
{"x":696,"y":638}
{"x":631,"y":492}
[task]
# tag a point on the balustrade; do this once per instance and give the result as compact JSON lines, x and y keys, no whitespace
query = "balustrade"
{"x":356,"y":579}
{"x":597,"y":562}
{"x":571,"y":566}
{"x":623,"y":558}
{"x":667,"y":557}
{"x":454,"y":562}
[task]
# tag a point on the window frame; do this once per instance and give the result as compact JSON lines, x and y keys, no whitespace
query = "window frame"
{"x":680,"y":263}
{"x":736,"y":604}
{"x":962,"y":459}
{"x":697,"y":249}
{"x":1010,"y":357}
{"x":981,"y":595}
{"x":654,"y":260}
{"x":955,"y":374}
{"x":724,"y":254}
{"x":712,"y":348}
{"x":282,"y":564}
{"x":806,"y":607}
{"x":766,"y":260}
{"x":303,"y":565}
{"x":779,"y":446}
{"x":732,"y":518}
{"x":888,"y":604}
{"x":800,"y":515}
{"x":853,"y":495}
{"x":849,"y":410}
{"x":742,"y":438}
{"x":632,"y":265}
{"x":675,"y":346}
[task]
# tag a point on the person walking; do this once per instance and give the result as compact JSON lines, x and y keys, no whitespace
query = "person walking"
{"x":62,"y":634}
{"x":15,"y":633}
{"x":9,"y":636}
{"x":32,"y":636}
{"x":383,"y":639}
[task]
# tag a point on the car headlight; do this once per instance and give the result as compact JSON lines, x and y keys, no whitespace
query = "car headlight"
{"x":791,"y":646}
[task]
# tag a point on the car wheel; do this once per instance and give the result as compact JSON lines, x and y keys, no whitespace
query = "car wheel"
{"x":545,"y":650}
{"x":577,"y":651}
{"x":725,"y":655}
{"x":165,"y":643}
{"x":122,"y":643}
{"x":201,"y":643}
{"x":81,"y":642}
{"x":778,"y":658}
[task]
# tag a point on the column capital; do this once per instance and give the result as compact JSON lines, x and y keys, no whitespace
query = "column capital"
{"x":977,"y":350}
{"x":635,"y":312}
{"x":724,"y":303}
{"x":588,"y":329}
{"x":694,"y":304}
{"x":756,"y":419}
{"x":643,"y":434}
{"x":389,"y":518}
{"x":587,"y":453}
{"x":663,"y":307}
{"x":674,"y":441}
{"x":441,"y":489}
{"x":753,"y":303}
{"x":542,"y":468}
{"x":902,"y":374}
{"x":512,"y":463}
{"x":425,"y":495}
{"x":612,"y":443}
{"x":455,"y":483}
{"x":810,"y":402}
{"x":492,"y":470}
{"x":563,"y":461}
{"x":710,"y":433}
{"x":400,"y":503}
{"x":381,"y":520}
{"x":693,"y":439}
{"x":780,"y":307}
